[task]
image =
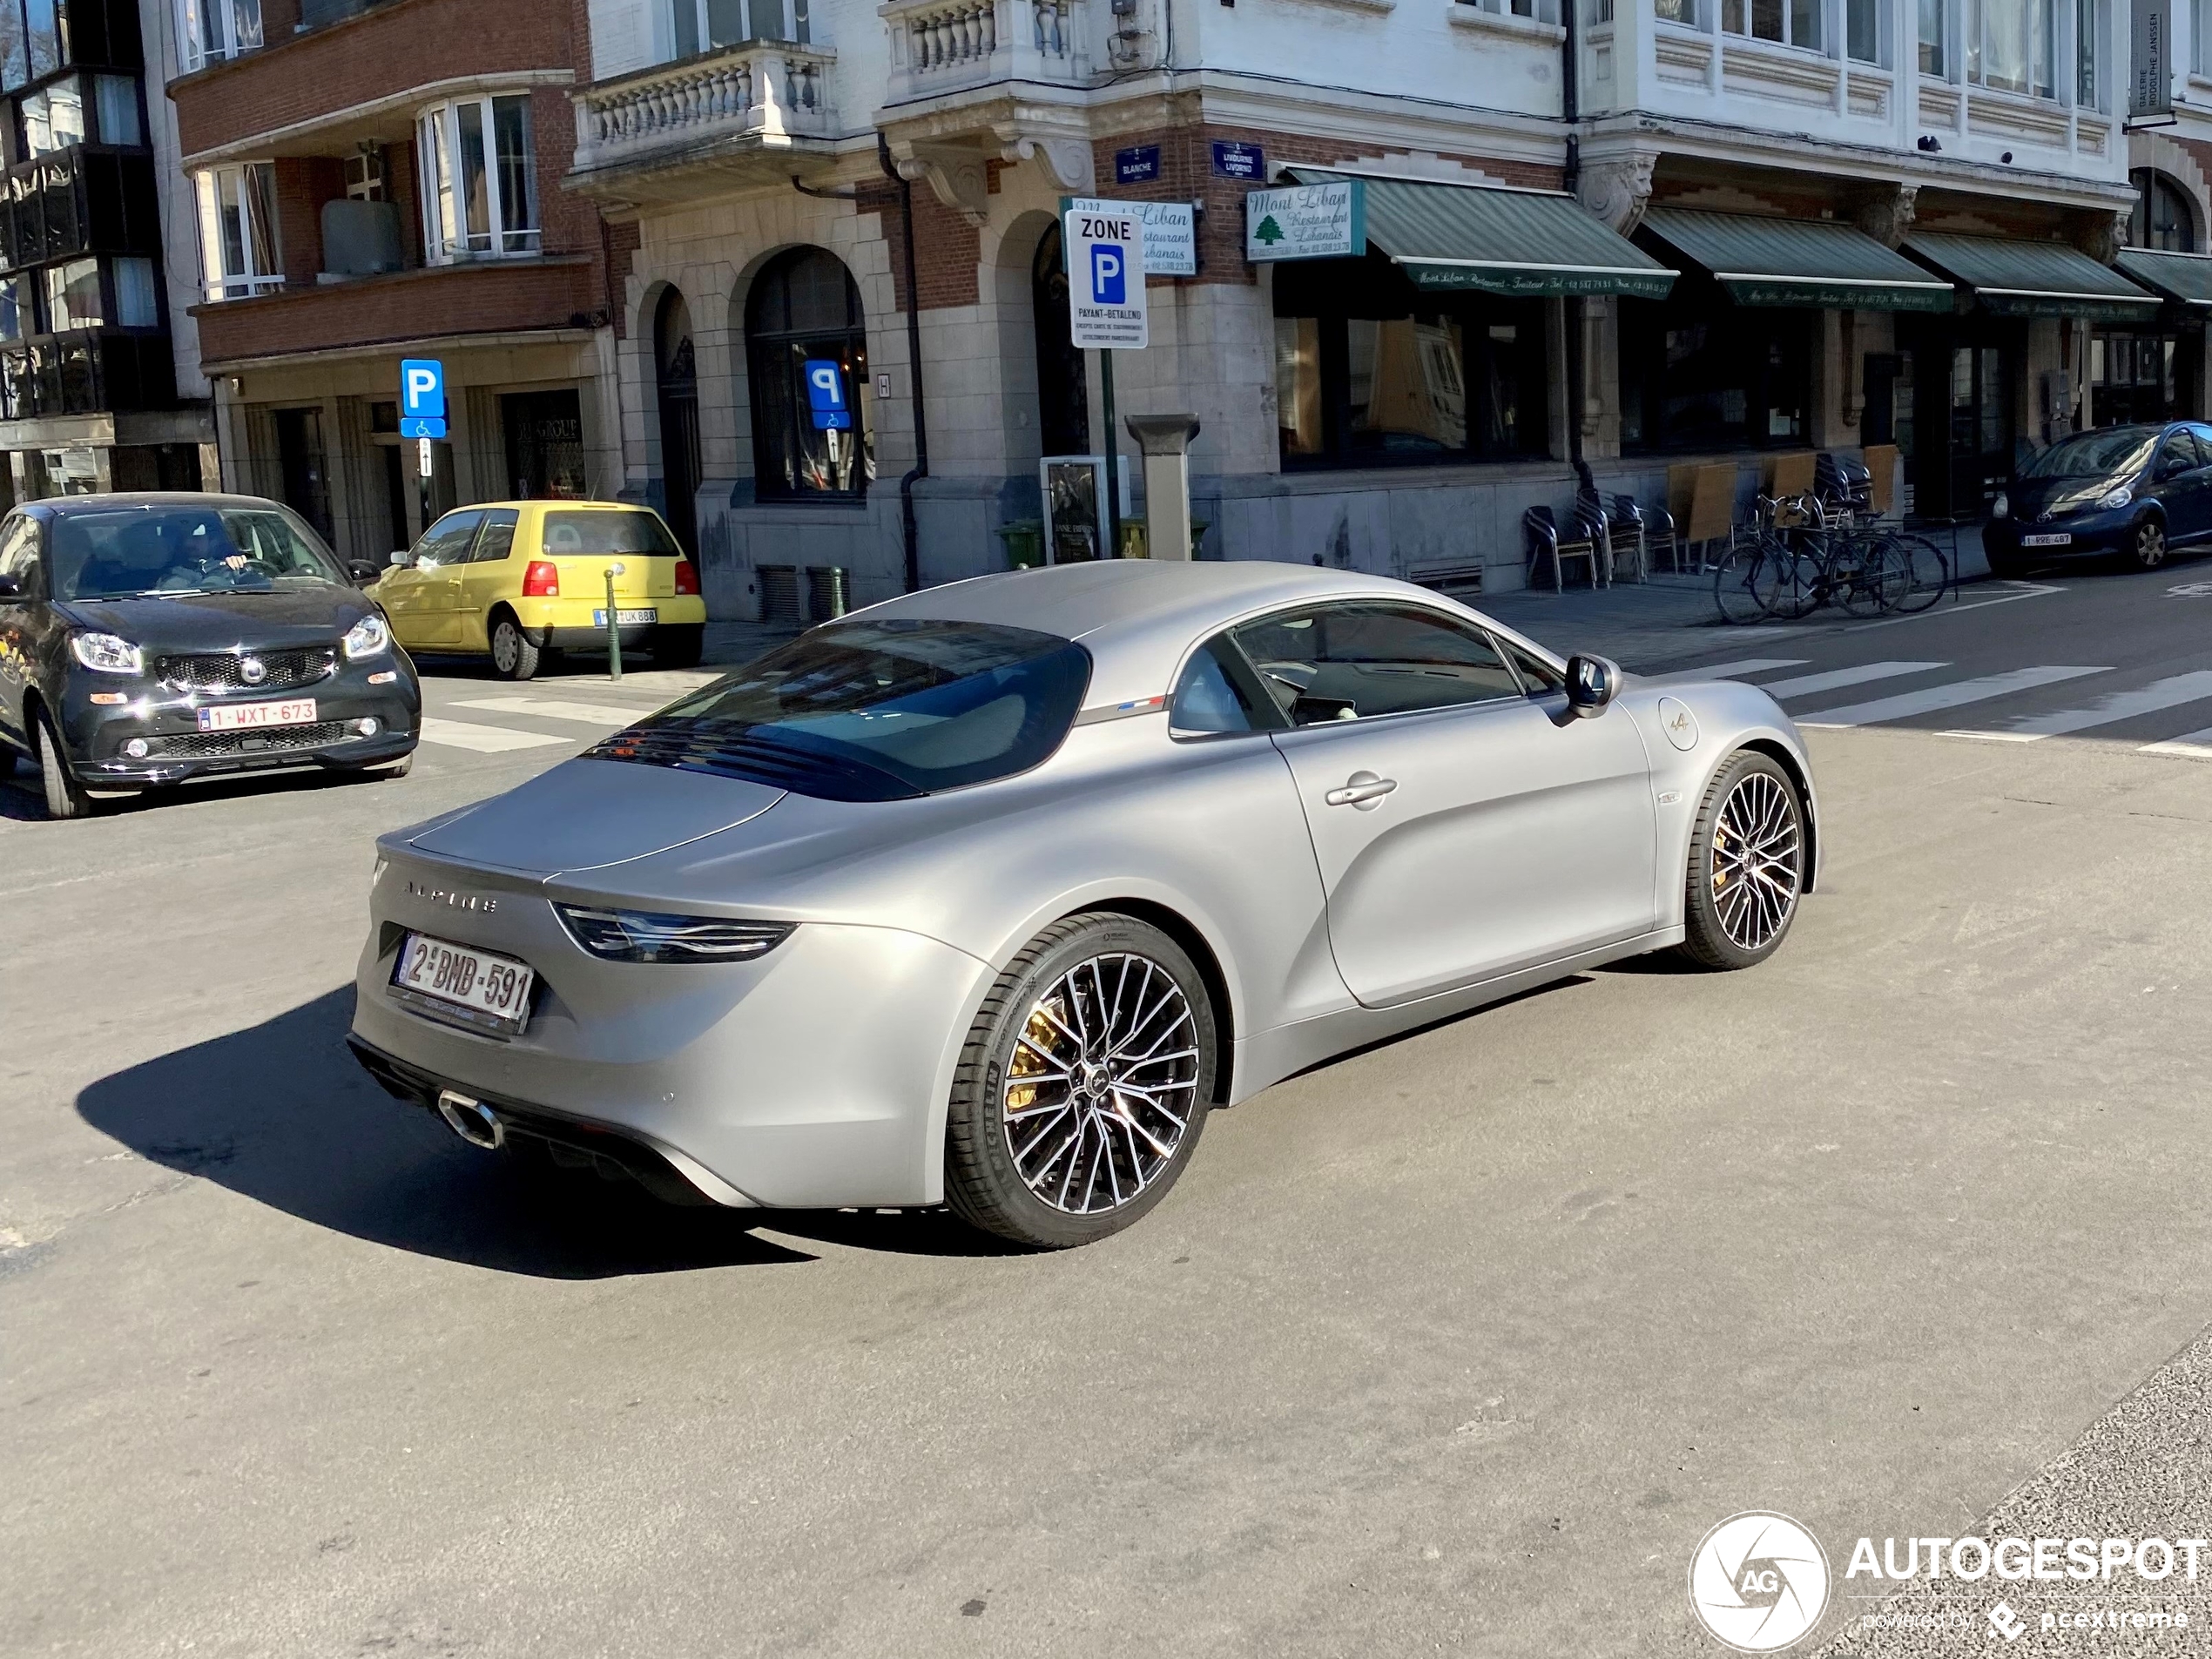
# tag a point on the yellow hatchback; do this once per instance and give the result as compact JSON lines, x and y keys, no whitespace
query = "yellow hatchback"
{"x":517,"y":579}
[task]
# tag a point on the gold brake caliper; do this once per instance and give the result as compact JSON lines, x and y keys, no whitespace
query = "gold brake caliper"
{"x":1028,"y":1061}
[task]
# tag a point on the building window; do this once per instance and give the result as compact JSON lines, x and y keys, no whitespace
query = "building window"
{"x":210,"y":30}
{"x":52,"y":117}
{"x":479,"y":179}
{"x":1371,"y":371}
{"x":2162,"y":219}
{"x":18,"y":311}
{"x":1681,"y":11}
{"x":2086,"y":42}
{"x":1548,"y":11}
{"x":364,"y":175}
{"x":2008,"y":45}
{"x":237,"y":245}
{"x":136,"y":303}
{"x":1863,"y":30}
{"x":1792,"y":22}
{"x":802,"y":319}
{"x":1932,"y":21}
{"x":710,"y":26}
{"x":73,"y":296}
{"x":1698,"y":372}
{"x":115,"y":100}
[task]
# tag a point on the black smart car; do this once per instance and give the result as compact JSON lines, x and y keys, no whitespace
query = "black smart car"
{"x":147,"y":639}
{"x":2141,"y":492}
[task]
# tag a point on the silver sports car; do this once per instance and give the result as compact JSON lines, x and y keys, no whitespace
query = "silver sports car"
{"x":987,"y":895}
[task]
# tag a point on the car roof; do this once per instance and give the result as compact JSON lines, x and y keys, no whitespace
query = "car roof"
{"x":64,"y":505}
{"x":1138,"y":618}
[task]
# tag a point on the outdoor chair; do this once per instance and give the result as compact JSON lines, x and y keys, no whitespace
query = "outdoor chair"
{"x":1624,"y":535}
{"x":1541,"y":531}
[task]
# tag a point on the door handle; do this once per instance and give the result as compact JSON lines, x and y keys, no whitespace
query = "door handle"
{"x":1363,"y":790}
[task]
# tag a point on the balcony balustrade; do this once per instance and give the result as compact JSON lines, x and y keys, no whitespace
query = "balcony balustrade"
{"x":771,"y":93}
{"x":940,"y":46}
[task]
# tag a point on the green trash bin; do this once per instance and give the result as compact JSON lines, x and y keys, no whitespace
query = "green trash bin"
{"x":1024,"y":539}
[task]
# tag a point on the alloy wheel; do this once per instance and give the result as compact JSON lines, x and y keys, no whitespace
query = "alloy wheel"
{"x":2150,"y":546}
{"x":1757,"y":854}
{"x":1101,"y":1083}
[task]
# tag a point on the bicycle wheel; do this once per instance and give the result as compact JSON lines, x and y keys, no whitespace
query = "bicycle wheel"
{"x":1802,"y":587}
{"x":1929,"y":570}
{"x":1878,"y":578}
{"x":1749,"y":582}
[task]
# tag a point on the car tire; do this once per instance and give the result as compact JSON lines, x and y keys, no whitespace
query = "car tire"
{"x":2147,"y":548}
{"x":678,"y":645}
{"x":513,"y":655}
{"x":1747,"y":864}
{"x":65,"y":797}
{"x":1085,"y":994}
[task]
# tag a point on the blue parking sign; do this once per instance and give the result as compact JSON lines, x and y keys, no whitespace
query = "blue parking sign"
{"x":423,"y":388}
{"x":1108,"y":275}
{"x":825,"y":395}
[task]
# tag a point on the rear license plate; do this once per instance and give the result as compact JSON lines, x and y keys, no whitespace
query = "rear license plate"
{"x":245,"y":717}
{"x":624,"y":618}
{"x":2054,"y":538}
{"x":492,"y":993}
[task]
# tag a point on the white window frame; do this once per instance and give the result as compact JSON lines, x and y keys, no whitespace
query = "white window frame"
{"x":212,"y":189}
{"x":793,"y":19}
{"x":446,"y":239}
{"x":1741,"y":11}
{"x":234,"y":24}
{"x":1976,"y":54}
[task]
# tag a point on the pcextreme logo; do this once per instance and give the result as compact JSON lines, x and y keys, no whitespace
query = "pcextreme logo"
{"x":1758,"y":1582}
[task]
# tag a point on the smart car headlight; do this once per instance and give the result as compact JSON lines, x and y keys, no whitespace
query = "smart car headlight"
{"x":653,"y":936}
{"x":2114,"y":502}
{"x":107,"y":653}
{"x":368,"y":638}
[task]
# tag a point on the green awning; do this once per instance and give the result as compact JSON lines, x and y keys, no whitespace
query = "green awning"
{"x":1531,"y":243}
{"x":2185,"y":277}
{"x":1798,"y":262}
{"x":2014,"y":279}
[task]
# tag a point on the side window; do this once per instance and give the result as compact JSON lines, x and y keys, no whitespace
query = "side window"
{"x":498,"y":537}
{"x":2178,"y":455}
{"x":1536,"y":674}
{"x":1218,"y":693}
{"x":2204,"y":437}
{"x":19,"y":557}
{"x":1349,"y":662}
{"x":447,"y":541}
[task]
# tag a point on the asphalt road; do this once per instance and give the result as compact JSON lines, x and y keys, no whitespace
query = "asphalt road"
{"x":1460,"y":1345}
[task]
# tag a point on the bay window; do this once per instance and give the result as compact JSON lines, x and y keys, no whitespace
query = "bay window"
{"x":1931,"y":23}
{"x":209,"y":31}
{"x":709,"y":25}
{"x":237,"y":246}
{"x":1792,"y":22}
{"x":2085,"y":53}
{"x":73,"y":296}
{"x":2008,"y":45}
{"x":479,"y":179}
{"x":1863,"y":30}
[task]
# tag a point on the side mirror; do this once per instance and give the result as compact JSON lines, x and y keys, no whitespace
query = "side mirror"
{"x":1592,"y":683}
{"x":366,"y":573}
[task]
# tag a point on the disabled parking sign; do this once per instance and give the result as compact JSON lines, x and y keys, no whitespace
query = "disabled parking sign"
{"x":1105,"y":245}
{"x":825,"y":395}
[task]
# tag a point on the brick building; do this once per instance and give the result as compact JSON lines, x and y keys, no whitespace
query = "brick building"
{"x":380,"y":179}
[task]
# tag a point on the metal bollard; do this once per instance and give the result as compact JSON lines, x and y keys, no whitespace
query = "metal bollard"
{"x":614,"y":624}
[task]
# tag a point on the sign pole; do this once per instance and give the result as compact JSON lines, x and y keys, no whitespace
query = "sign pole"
{"x":423,"y":464}
{"x":1113,"y":461}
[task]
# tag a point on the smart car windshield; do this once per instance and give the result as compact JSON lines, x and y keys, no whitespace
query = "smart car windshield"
{"x":876,"y":711}
{"x":2096,"y":454}
{"x":125,"y":552}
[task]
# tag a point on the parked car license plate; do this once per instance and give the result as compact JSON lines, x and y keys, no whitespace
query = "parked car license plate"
{"x":480,"y":988}
{"x":2054,"y":538}
{"x":243,"y":716}
{"x":624,"y":618}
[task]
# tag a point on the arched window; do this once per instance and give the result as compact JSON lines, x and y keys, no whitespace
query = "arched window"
{"x":812,"y":410}
{"x":2162,"y":219}
{"x":676,"y":384}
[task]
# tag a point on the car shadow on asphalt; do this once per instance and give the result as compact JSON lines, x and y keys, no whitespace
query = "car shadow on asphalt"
{"x":280,"y":1113}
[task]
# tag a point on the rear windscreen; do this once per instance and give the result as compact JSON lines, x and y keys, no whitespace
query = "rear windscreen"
{"x":876,"y":711}
{"x":602,"y":532}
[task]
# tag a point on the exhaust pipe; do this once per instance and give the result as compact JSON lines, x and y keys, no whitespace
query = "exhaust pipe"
{"x":472,"y":1119}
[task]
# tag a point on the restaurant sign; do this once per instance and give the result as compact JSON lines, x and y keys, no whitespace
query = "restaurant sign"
{"x":1323,"y":221}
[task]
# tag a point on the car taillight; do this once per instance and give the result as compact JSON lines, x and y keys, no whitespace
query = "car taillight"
{"x":687,"y":576}
{"x":541,"y":580}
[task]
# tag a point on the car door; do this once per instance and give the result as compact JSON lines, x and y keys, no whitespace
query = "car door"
{"x":1465,"y":828}
{"x":422,"y":597}
{"x":2183,"y":488}
{"x":488,"y":577}
{"x":24,"y":613}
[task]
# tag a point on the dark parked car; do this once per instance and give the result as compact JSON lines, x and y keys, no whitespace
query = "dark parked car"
{"x":2139,"y":491}
{"x":146,"y":640}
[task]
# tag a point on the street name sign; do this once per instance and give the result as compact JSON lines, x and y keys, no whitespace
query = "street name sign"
{"x":1105,"y":245}
{"x":1323,"y":221}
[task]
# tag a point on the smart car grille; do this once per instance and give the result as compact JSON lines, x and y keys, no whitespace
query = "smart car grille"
{"x":282,"y":670}
{"x":200,"y":745}
{"x":695,"y":746}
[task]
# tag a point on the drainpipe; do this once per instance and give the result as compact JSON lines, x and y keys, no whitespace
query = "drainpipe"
{"x":1570,"y":108}
{"x":920,"y":468}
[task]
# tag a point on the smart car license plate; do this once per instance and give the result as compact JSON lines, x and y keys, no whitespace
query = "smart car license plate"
{"x":462,"y":982}
{"x":624,"y":618}
{"x":245,"y":717}
{"x":2054,"y":538}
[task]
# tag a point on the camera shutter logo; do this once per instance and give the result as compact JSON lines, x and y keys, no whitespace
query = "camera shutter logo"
{"x":1758,"y":1582}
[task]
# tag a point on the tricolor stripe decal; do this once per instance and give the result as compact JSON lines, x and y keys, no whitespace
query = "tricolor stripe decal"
{"x":1122,"y":711}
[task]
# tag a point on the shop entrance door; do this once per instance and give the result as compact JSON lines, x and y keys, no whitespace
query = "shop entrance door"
{"x":545,"y":444}
{"x":1964,"y":389}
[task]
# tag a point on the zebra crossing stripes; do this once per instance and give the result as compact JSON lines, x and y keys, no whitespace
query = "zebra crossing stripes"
{"x":1737,"y":671}
{"x":2192,"y":745}
{"x":554,"y":708}
{"x":1932,"y":698}
{"x":1835,"y":679}
{"x":484,"y":739}
{"x":2115,"y":706}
